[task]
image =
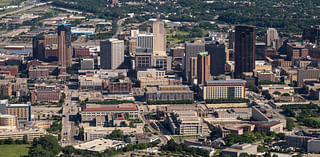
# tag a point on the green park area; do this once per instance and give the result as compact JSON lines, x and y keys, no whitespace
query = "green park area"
{"x":13,"y":150}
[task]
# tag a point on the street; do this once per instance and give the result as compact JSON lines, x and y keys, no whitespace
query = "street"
{"x":69,"y":129}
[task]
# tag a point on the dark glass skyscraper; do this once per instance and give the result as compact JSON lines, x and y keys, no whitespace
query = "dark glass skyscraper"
{"x":217,"y":58}
{"x":245,"y":49}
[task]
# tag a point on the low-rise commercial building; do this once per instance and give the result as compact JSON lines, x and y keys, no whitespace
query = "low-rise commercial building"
{"x":17,"y":134}
{"x":8,"y":120}
{"x":268,"y":127}
{"x":90,"y":112}
{"x":238,"y":129}
{"x":45,"y":95}
{"x":234,"y":113}
{"x":87,"y":64}
{"x":237,"y":149}
{"x":36,"y":73}
{"x":92,"y":133}
{"x":154,"y":77}
{"x":100,"y":145}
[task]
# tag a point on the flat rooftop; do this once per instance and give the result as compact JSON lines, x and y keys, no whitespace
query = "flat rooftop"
{"x":226,"y":82}
{"x":101,"y":107}
{"x":100,"y":145}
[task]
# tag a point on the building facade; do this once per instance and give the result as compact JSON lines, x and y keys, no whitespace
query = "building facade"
{"x":64,"y":46}
{"x":223,"y":89}
{"x":245,"y":49}
{"x":111,"y":53}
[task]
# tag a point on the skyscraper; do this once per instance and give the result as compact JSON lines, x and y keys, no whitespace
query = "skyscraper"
{"x":245,"y":49}
{"x":159,"y":34}
{"x":191,"y":50}
{"x":111,"y":53}
{"x":272,"y":38}
{"x":217,"y":57}
{"x":38,"y":47}
{"x":193,"y":69}
{"x":203,"y":71}
{"x":64,"y":46}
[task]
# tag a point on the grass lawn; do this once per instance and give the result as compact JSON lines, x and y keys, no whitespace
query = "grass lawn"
{"x":14,"y":150}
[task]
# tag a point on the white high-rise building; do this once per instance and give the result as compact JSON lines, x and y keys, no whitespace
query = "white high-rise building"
{"x":272,"y":38}
{"x":111,"y":53}
{"x":145,"y":41}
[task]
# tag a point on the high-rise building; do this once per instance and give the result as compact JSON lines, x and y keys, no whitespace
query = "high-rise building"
{"x":159,"y":41}
{"x":272,"y":38}
{"x":245,"y":49}
{"x":64,"y":46}
{"x":111,"y":53}
{"x":203,"y":71}
{"x":191,"y":50}
{"x":145,"y":41}
{"x":193,"y":69}
{"x":217,"y":58}
{"x":38,"y":47}
{"x":312,"y":34}
{"x":132,"y":46}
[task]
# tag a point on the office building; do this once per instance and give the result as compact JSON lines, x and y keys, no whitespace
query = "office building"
{"x":37,"y":73}
{"x":177,"y":53}
{"x":87,"y":64}
{"x":159,"y":39}
{"x":191,"y":50}
{"x":312,"y":34}
{"x":8,"y":120}
{"x":268,"y":127}
{"x":111,"y":53}
{"x":17,"y":134}
{"x":223,"y":89}
{"x":185,"y":123}
{"x":92,"y":133}
{"x":272,"y":38}
{"x":64,"y":47}
{"x":217,"y":58}
{"x":118,"y":86}
{"x":45,"y":95}
{"x":226,"y":129}
{"x":193,"y":69}
{"x":154,"y":77}
{"x":145,"y":41}
{"x":91,"y":112}
{"x":203,"y":71}
{"x":297,"y":51}
{"x":161,"y":62}
{"x":38,"y":47}
{"x":22,"y":111}
{"x":132,"y":46}
{"x":307,"y":75}
{"x":143,"y":60}
{"x":245,"y":49}
{"x":161,"y":93}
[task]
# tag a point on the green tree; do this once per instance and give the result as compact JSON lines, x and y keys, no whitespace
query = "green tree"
{"x":276,"y":93}
{"x":25,"y":139}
